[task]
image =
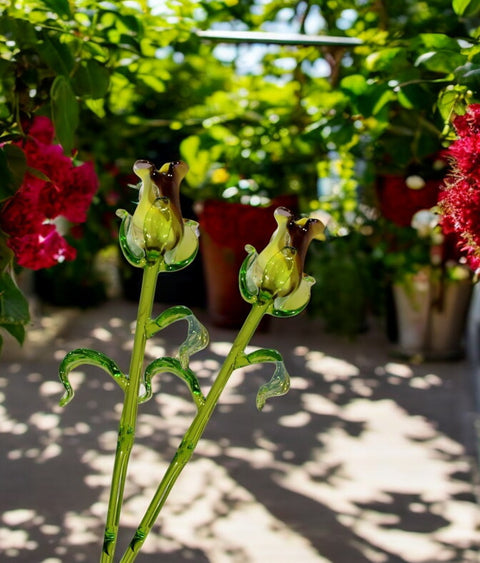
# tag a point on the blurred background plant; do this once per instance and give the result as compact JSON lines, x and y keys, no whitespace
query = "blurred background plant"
{"x":322,"y":122}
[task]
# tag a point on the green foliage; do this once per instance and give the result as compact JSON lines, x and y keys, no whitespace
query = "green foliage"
{"x":347,"y":263}
{"x":64,"y":112}
{"x":258,"y":132}
{"x":123,"y":81}
{"x":466,"y":8}
{"x":13,"y":165}
{"x":14,"y":313}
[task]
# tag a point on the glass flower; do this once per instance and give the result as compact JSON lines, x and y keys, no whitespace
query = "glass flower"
{"x":157,"y":230}
{"x":276,"y":274}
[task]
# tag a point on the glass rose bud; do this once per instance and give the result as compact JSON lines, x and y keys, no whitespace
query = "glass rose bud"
{"x":276,"y":274}
{"x":157,"y":230}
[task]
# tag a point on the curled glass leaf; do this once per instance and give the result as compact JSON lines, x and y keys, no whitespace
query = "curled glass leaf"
{"x":85,"y":356}
{"x":278,"y":385}
{"x":197,"y":335}
{"x":172,"y":365}
{"x":197,"y":339}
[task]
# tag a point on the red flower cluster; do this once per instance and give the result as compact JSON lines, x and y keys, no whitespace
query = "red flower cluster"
{"x":460,"y":199}
{"x":399,"y":203}
{"x":62,"y":190}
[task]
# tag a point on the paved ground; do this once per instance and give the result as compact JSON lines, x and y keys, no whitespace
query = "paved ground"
{"x":367,"y":459}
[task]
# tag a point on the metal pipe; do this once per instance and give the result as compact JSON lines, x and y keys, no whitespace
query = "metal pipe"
{"x":230,"y":36}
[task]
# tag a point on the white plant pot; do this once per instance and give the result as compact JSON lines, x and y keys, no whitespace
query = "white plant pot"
{"x":431,"y":316}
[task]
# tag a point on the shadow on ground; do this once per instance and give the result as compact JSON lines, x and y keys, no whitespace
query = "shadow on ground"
{"x":367,"y":459}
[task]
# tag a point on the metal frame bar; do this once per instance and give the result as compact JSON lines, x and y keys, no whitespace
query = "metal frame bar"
{"x":227,"y":36}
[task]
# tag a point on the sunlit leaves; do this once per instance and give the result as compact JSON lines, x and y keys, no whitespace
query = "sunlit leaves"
{"x":469,"y":75}
{"x":389,"y":59}
{"x":91,"y":79}
{"x":452,"y":101}
{"x":94,"y":47}
{"x":61,"y":7}
{"x":466,"y":8}
{"x":441,"y":61}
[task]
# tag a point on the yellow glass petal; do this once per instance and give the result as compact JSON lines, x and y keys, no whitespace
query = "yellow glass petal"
{"x":187,"y":248}
{"x":279,"y":276}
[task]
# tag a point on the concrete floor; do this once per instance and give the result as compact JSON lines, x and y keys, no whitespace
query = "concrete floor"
{"x":367,"y":459}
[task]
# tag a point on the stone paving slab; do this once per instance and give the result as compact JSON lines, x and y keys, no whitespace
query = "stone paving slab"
{"x":367,"y":459}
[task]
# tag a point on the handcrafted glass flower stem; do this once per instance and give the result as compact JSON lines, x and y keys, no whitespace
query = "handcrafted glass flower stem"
{"x":195,"y":431}
{"x":127,"y":425}
{"x":158,"y":239}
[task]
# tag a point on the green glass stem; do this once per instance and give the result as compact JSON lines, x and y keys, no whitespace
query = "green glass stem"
{"x":195,"y":431}
{"x":127,"y":425}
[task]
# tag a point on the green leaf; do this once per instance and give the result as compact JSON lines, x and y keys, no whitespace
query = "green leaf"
{"x":13,"y":164}
{"x":278,"y":385}
{"x":441,"y":61}
{"x":466,"y":7}
{"x":439,"y":41}
{"x":354,"y":84}
{"x":469,"y":75}
{"x":64,"y":112}
{"x":60,"y":7}
{"x":197,"y":335}
{"x":56,"y":54}
{"x":385,"y":59}
{"x":97,"y":107}
{"x":18,"y":30}
{"x":450,"y":103}
{"x":199,"y":159}
{"x":91,"y":79}
{"x":412,"y":96}
{"x":14,"y":313}
{"x":17,"y":331}
{"x":6,"y":254}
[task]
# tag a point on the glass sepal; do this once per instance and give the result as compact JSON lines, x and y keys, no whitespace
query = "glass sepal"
{"x":185,"y":251}
{"x":133,"y":253}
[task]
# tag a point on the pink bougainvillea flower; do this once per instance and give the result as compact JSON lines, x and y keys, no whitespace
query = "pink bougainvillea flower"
{"x":53,"y":190}
{"x":460,"y":199}
{"x":43,"y":249}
